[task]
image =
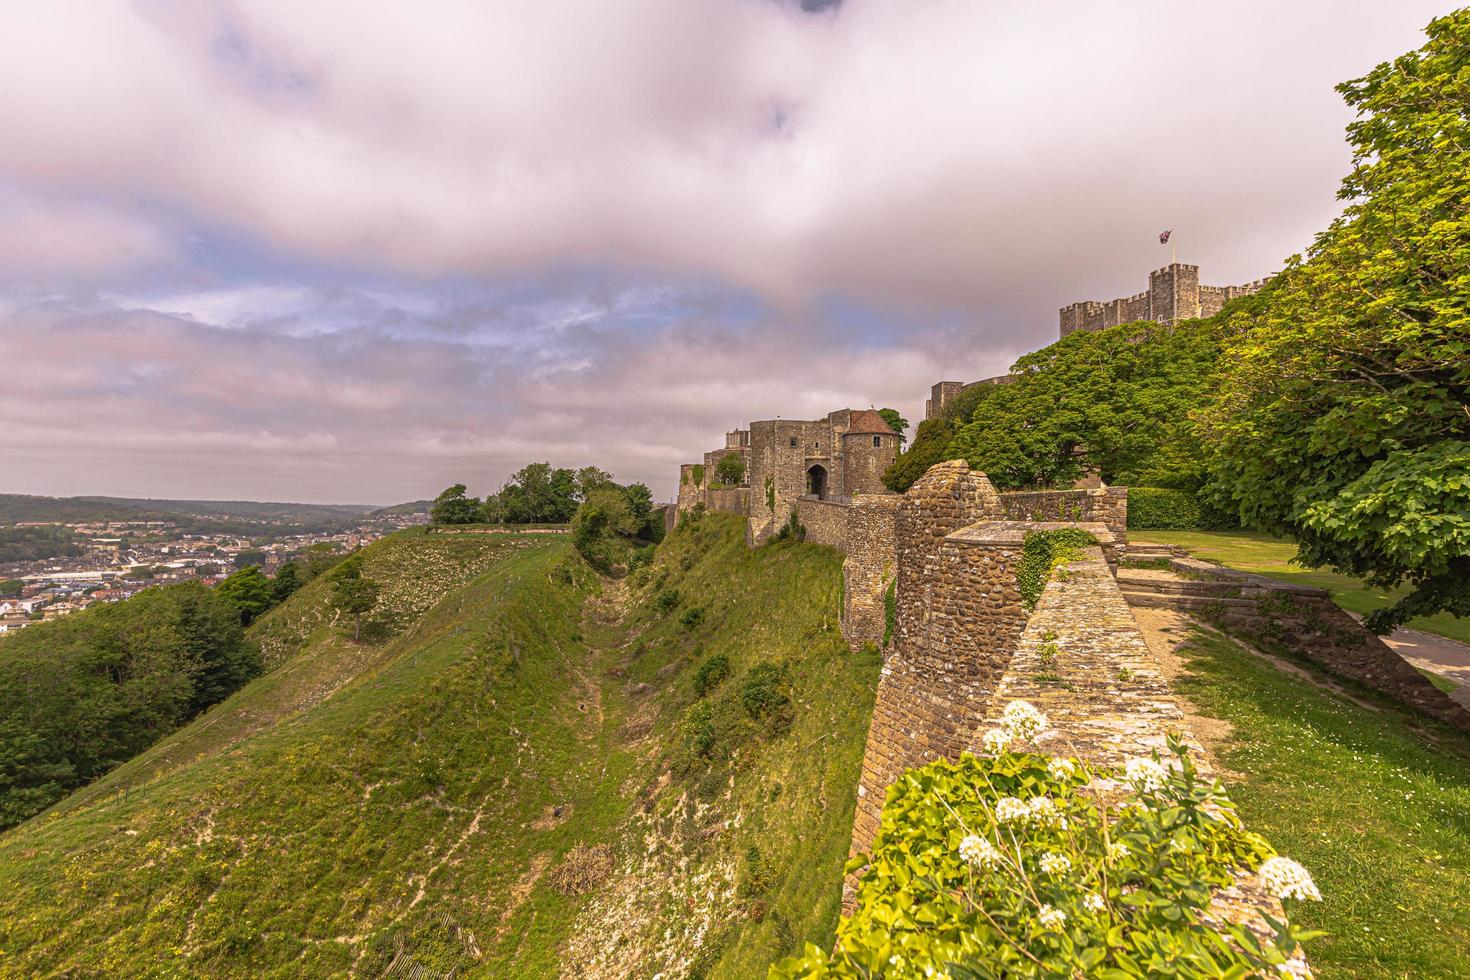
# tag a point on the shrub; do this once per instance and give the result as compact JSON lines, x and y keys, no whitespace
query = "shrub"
{"x":698,"y":474}
{"x":1003,"y":867}
{"x":766,"y":697}
{"x":1160,"y":509}
{"x":792,"y":530}
{"x":1043,"y":551}
{"x":711,"y":673}
{"x":692,"y":617}
{"x":666,"y":600}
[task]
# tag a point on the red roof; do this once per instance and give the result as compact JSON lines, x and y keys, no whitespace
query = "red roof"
{"x":869,"y":422}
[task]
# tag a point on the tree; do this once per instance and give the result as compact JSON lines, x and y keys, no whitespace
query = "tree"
{"x":590,"y":478}
{"x":1343,"y":410}
{"x":603,"y":525}
{"x":730,"y":469}
{"x":1116,"y":401}
{"x":353,"y":593}
{"x":288,"y":580}
{"x":250,"y":592}
{"x":10,"y":587}
{"x":895,"y":421}
{"x":82,"y":694}
{"x":453,"y":507}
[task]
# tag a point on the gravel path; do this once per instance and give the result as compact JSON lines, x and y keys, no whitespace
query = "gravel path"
{"x":1443,"y":656}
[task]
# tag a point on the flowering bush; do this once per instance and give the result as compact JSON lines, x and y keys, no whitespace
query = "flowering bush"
{"x":1001,"y":866}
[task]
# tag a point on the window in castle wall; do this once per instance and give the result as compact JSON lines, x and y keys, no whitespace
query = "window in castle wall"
{"x":877,"y":440}
{"x":793,"y":442}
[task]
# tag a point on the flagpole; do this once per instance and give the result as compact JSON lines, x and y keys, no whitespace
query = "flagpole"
{"x":1173,"y":250}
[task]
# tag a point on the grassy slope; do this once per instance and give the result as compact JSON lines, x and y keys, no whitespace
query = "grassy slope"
{"x":1252,"y":551}
{"x":365,"y":809}
{"x":1373,"y":802}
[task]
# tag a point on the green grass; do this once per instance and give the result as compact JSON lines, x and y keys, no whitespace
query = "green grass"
{"x":361,"y":809}
{"x":1376,"y":804}
{"x":1253,"y":551}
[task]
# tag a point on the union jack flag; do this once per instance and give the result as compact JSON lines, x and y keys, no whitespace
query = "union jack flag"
{"x":1164,"y":236}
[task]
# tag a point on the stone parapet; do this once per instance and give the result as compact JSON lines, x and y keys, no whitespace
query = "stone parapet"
{"x":868,"y":568}
{"x":1106,"y":505}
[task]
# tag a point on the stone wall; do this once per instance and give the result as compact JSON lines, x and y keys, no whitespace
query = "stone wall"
{"x":958,"y":614}
{"x":1305,"y":622}
{"x":729,"y":500}
{"x":690,"y":493}
{"x":868,"y":567}
{"x":825,"y":521}
{"x":1108,"y":505}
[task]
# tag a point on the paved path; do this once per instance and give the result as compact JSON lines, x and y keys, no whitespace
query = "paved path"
{"x":1447,"y":658}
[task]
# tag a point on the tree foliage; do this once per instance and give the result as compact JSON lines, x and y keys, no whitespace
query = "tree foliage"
{"x":353,"y":593}
{"x":83,"y":694}
{"x":249,"y":591}
{"x":730,"y":470}
{"x":454,"y":507}
{"x":1343,"y":408}
{"x":613,"y":521}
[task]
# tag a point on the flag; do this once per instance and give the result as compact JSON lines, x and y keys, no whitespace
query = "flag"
{"x":1164,"y":236}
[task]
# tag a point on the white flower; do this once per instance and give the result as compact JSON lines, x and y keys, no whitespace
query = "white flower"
{"x":1008,"y":809}
{"x":1284,"y":878}
{"x":1055,"y":864}
{"x":1051,"y":918}
{"x":996,"y":741}
{"x":979,"y":852}
{"x":1093,"y":902}
{"x":1061,"y":768}
{"x":1146,"y":775}
{"x":1044,"y":811}
{"x":1023,"y":720}
{"x":1118,"y":851}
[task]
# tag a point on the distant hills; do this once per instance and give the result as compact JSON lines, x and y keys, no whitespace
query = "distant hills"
{"x":16,"y":507}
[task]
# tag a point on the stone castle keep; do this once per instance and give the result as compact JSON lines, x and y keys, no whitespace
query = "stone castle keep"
{"x":1174,"y":293}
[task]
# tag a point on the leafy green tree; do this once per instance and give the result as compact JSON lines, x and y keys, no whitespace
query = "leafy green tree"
{"x":730,"y":469}
{"x":603,"y":527}
{"x":590,"y":478}
{"x":1343,"y":415}
{"x":288,"y":579}
{"x":453,"y":507}
{"x":10,"y":587}
{"x":353,"y":593}
{"x":896,"y":421}
{"x":83,"y":694}
{"x":250,"y":592}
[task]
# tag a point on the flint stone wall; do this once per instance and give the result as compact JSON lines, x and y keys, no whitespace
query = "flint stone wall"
{"x":825,"y":521}
{"x":728,"y":500}
{"x":1106,"y":505}
{"x":868,"y":567}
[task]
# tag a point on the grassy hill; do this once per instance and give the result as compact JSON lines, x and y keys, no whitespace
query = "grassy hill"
{"x":521,"y":781}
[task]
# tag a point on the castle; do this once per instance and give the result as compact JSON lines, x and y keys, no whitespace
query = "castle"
{"x":786,"y":460}
{"x":1174,"y":293}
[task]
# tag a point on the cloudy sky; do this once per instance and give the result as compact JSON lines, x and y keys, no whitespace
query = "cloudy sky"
{"x":353,"y":251}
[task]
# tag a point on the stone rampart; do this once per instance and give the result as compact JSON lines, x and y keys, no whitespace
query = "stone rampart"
{"x":1106,"y":505}
{"x":728,"y":500}
{"x":868,"y":568}
{"x":825,"y":521}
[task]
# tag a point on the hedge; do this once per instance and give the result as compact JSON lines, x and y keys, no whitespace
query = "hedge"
{"x":1160,"y":509}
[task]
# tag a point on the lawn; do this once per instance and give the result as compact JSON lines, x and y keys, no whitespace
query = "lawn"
{"x":1375,"y":803}
{"x":1253,"y":551}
